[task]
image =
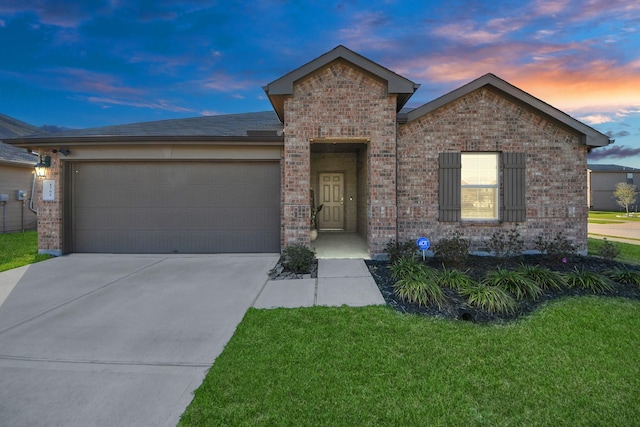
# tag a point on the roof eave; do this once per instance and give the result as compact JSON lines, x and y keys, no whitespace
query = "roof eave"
{"x":276,"y":140}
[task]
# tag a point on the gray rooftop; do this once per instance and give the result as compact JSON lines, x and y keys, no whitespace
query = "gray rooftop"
{"x":611,"y":168}
{"x":228,"y":125}
{"x":13,"y":128}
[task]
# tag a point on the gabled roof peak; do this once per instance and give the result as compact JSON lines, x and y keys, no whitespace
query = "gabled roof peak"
{"x":283,"y":87}
{"x":591,"y":137}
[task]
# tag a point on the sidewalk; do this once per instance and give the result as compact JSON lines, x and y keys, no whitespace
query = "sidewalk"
{"x":625,"y":232}
{"x":340,"y":282}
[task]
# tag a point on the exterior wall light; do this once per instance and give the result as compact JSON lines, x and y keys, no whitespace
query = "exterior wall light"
{"x":42,"y":165}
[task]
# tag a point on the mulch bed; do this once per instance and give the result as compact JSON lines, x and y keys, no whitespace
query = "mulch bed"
{"x":457,"y":308}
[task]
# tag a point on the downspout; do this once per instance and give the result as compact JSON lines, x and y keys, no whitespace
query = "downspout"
{"x":33,"y":187}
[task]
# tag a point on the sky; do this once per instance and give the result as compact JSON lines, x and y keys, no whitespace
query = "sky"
{"x":79,"y":64}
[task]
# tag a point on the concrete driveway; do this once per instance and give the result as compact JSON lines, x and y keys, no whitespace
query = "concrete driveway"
{"x":117,"y":340}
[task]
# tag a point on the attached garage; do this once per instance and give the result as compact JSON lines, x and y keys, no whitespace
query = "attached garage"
{"x":173,"y":206}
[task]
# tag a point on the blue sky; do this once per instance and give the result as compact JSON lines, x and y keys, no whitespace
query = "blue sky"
{"x":78,"y":64}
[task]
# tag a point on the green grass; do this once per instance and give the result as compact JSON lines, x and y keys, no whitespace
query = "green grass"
{"x":628,"y":252}
{"x":607,"y":217}
{"x":573,"y":363}
{"x":18,"y":249}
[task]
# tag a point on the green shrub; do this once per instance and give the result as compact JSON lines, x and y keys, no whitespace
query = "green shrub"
{"x":506,"y":243}
{"x":559,"y":246}
{"x":396,"y":250}
{"x":587,"y":280}
{"x":545,"y":278}
{"x":455,"y":279}
{"x":298,"y":258}
{"x":490,"y":298}
{"x":608,"y":250}
{"x":454,"y":250}
{"x":622,"y":275}
{"x":416,"y":283}
{"x":513,"y":281}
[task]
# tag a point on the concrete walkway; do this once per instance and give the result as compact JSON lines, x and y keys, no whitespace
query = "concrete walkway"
{"x":339,"y":282}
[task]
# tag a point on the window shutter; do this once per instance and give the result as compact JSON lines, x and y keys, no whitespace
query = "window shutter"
{"x":514,"y":201}
{"x":449,"y":186}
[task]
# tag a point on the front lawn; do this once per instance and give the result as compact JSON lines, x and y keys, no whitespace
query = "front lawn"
{"x":628,"y":252}
{"x":18,"y":249}
{"x":576,"y":362}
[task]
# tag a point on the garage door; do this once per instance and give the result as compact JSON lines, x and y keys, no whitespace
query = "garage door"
{"x":177,"y":207}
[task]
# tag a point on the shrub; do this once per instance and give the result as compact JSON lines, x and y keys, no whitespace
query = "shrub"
{"x":298,"y":258}
{"x":455,"y":279}
{"x":506,"y":243}
{"x":454,"y":250}
{"x":622,"y":275}
{"x":513,"y":281}
{"x":608,"y":250}
{"x":588,"y":280}
{"x":559,"y":246}
{"x":490,"y":298}
{"x":416,"y":283}
{"x":545,"y":278}
{"x":397,"y":250}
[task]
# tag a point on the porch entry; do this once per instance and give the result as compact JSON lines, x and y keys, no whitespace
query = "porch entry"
{"x":332,"y":197}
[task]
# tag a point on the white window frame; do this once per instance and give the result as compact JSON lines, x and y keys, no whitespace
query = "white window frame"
{"x":496,"y":187}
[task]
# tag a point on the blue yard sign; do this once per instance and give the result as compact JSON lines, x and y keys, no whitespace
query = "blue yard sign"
{"x":423,"y":243}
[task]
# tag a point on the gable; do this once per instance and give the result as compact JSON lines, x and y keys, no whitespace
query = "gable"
{"x":588,"y":135}
{"x":283,"y":87}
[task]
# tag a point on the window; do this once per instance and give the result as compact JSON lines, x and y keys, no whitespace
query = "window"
{"x":469,"y":188}
{"x":479,"y":186}
{"x":630,"y":178}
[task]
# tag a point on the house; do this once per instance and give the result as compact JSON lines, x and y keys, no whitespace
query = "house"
{"x":602,"y":181}
{"x":16,"y":178}
{"x":484,"y":157}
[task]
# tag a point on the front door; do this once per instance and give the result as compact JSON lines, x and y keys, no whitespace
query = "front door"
{"x":332,"y":197}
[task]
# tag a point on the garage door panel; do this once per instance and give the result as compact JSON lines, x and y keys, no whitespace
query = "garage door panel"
{"x":205,"y":207}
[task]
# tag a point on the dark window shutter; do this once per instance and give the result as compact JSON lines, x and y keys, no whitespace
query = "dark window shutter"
{"x":449,"y":186}
{"x":514,"y":202}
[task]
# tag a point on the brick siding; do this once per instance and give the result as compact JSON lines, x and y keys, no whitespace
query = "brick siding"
{"x":556,"y":176}
{"x":341,"y":101}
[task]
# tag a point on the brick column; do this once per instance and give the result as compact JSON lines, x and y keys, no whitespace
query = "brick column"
{"x":50,"y":211}
{"x":296,"y":183}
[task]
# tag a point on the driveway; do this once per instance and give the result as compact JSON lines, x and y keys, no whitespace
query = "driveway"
{"x":118,"y":340}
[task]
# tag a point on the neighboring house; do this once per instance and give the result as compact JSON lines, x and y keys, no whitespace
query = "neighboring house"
{"x":16,"y":175}
{"x":482,"y":158}
{"x":602,"y":183}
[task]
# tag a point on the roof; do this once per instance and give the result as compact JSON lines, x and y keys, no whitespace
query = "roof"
{"x":611,"y":168}
{"x":231,"y":127}
{"x":283,"y":87}
{"x":591,"y":137}
{"x":11,"y":128}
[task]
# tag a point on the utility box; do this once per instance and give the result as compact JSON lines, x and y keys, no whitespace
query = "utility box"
{"x":21,"y":195}
{"x":4,"y":197}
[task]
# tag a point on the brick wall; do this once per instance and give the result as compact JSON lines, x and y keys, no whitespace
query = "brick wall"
{"x":50,"y":212}
{"x":343,"y":102}
{"x":556,"y":176}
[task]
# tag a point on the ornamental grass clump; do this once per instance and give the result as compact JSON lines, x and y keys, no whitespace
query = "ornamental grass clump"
{"x":622,"y":275}
{"x":455,"y":279}
{"x":490,"y":298}
{"x":545,"y":278}
{"x":588,"y":280}
{"x":416,"y":283}
{"x":513,"y":281}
